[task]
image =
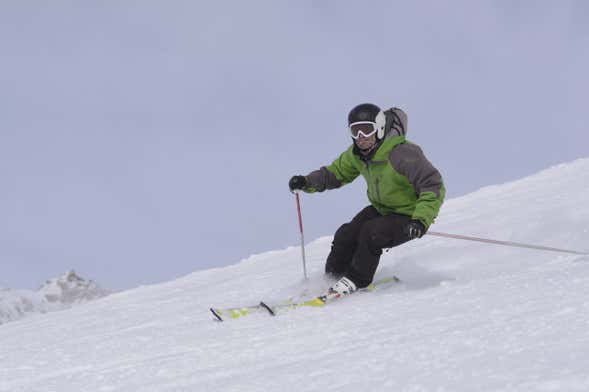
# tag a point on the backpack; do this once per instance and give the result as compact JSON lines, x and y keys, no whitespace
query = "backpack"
{"x":396,"y":122}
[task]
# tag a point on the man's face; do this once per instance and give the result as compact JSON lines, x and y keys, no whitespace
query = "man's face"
{"x":364,"y":134}
{"x":365,"y":143}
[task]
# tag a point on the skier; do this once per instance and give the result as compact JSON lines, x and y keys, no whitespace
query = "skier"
{"x":404,"y":189}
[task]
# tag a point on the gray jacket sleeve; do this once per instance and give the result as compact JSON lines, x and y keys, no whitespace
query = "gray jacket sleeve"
{"x":408,"y":159}
{"x":320,"y":180}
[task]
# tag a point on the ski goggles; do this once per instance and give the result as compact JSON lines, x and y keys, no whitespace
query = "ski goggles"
{"x":364,"y":128}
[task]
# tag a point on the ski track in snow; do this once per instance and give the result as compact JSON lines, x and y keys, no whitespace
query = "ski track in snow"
{"x":467,"y":317}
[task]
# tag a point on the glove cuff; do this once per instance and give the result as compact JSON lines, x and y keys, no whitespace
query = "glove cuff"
{"x":419,"y":222}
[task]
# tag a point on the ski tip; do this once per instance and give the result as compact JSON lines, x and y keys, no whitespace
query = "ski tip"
{"x":217,"y":316}
{"x":268,"y":308}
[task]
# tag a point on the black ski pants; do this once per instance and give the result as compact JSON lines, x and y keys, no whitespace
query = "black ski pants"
{"x":357,"y":245}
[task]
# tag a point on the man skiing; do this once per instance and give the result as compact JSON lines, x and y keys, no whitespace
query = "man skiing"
{"x":404,"y":189}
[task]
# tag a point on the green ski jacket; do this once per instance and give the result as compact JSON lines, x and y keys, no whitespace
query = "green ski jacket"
{"x":398,"y":176}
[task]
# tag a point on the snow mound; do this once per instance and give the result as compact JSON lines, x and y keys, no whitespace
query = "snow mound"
{"x":55,"y":294}
{"x":71,"y":289}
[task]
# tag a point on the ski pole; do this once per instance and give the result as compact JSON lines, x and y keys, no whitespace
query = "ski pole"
{"x":504,"y":243}
{"x":302,"y":235}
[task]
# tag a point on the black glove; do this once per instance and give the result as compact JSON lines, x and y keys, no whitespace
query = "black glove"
{"x":297,"y":182}
{"x":415,"y":229}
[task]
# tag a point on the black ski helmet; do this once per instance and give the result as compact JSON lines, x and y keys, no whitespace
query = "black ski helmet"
{"x":368,"y":112}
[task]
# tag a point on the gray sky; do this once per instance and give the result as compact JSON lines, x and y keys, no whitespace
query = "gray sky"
{"x":143,"y":140}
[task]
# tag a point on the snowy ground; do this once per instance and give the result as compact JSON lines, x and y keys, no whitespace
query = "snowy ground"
{"x":469,"y":317}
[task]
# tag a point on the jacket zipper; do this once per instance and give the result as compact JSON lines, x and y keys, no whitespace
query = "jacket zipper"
{"x":377,"y":191}
{"x":373,"y":184}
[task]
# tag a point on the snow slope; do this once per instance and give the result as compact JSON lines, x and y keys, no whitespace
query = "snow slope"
{"x":469,"y":317}
{"x":55,"y":294}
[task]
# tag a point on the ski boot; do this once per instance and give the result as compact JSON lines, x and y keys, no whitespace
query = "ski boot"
{"x":342,"y":287}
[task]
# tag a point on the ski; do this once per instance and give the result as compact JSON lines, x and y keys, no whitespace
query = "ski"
{"x":222,"y":314}
{"x":322,"y":300}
